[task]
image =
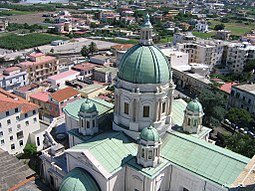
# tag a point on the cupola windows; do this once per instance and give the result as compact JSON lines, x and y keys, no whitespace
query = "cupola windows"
{"x":126,"y":108}
{"x":146,"y":111}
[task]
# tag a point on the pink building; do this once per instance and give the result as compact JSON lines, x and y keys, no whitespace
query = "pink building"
{"x":59,"y":80}
{"x":53,"y":103}
{"x":39,"y":67}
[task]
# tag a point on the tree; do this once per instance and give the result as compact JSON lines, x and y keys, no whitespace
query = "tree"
{"x":241,"y":117}
{"x":85,"y":51}
{"x":17,"y":60}
{"x":30,"y":149}
{"x":213,"y":103}
{"x":2,"y":60}
{"x":219,"y":27}
{"x":249,"y":66}
{"x":92,"y":48}
{"x":52,"y":50}
{"x":242,"y":144}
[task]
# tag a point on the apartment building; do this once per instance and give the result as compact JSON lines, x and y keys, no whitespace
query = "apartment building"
{"x":243,"y":96}
{"x":238,"y":54}
{"x":12,"y":78}
{"x":209,"y":52}
{"x":19,"y":123}
{"x":39,"y":67}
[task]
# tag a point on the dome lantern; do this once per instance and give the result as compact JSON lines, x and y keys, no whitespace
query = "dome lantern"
{"x":149,"y":142}
{"x":193,"y":116}
{"x":88,"y":114}
{"x":146,"y":31}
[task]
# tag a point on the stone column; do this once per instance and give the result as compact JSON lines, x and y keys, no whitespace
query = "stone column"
{"x":134,"y":110}
{"x":116,"y":108}
{"x":159,"y":110}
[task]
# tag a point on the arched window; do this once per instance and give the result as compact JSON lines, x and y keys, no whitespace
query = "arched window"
{"x":188,"y":121}
{"x":88,"y":124}
{"x":143,"y":153}
{"x":164,"y":107}
{"x":150,"y":154}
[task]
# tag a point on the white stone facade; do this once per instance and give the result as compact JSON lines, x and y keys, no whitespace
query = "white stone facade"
{"x":140,"y":105}
{"x":16,"y":130}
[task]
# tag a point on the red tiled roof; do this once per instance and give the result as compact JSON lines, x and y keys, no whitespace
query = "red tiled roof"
{"x":84,"y":66}
{"x":10,"y":101}
{"x":227,"y":87}
{"x":122,"y":46}
{"x":64,"y":94}
{"x":11,"y":69}
{"x":36,"y":55}
{"x":42,"y":96}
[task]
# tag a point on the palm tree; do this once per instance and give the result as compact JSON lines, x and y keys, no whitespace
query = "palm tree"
{"x":93,"y":48}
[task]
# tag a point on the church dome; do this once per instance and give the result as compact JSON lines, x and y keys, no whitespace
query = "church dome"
{"x":144,"y":65}
{"x":88,"y":107}
{"x":78,"y":179}
{"x":195,"y":106}
{"x":149,"y":134}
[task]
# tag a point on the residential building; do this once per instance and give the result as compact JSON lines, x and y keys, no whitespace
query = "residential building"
{"x":238,"y":54}
{"x":52,"y":104}
{"x":157,"y":143}
{"x":222,"y":34}
{"x":201,"y":26}
{"x":193,"y":82}
{"x":209,"y":52}
{"x":59,"y":80}
{"x":243,"y":96}
{"x":183,"y":38}
{"x":19,"y":124}
{"x":105,"y":75}
{"x":13,"y":78}
{"x":26,"y":91}
{"x":86,"y":69}
{"x":176,"y":58}
{"x":101,"y":60}
{"x":119,"y":50}
{"x":39,"y":67}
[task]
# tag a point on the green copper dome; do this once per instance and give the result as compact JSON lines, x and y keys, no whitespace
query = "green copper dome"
{"x":149,"y":134}
{"x":88,"y":107}
{"x":195,"y":106}
{"x":144,"y":65}
{"x":78,"y":180}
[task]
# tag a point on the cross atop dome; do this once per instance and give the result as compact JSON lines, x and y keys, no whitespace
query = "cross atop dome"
{"x":146,"y":31}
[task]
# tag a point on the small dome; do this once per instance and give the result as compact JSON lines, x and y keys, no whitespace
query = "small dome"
{"x":78,"y":179}
{"x":195,"y":106}
{"x":88,"y":107}
{"x":149,"y":134}
{"x":144,"y":65}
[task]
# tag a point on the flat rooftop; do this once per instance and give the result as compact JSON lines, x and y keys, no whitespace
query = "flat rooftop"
{"x":246,"y":87}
